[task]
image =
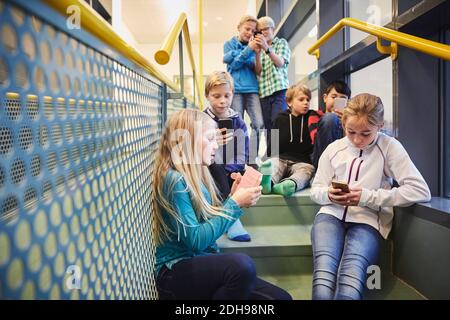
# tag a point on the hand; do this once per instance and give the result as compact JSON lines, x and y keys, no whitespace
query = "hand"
{"x":223,"y":139}
{"x":247,"y":197}
{"x":261,"y":42}
{"x":253,"y":44}
{"x":236,"y":176}
{"x":339,"y":114}
{"x":345,"y":199}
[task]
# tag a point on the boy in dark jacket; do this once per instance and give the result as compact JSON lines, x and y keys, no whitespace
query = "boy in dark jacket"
{"x":233,"y":155}
{"x":292,"y":170}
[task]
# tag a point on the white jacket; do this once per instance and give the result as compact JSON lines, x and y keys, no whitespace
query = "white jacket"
{"x":371,"y":169}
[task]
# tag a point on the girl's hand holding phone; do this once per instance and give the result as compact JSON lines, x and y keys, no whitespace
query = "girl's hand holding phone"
{"x":344,"y":199}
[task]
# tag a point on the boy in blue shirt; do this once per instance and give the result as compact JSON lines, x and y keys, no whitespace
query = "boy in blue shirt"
{"x":239,"y":56}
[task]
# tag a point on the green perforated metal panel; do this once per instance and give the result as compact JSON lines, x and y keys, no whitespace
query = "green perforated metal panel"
{"x":78,"y":130}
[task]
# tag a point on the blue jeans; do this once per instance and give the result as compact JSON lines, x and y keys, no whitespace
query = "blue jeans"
{"x":329,"y":129}
{"x":271,"y":107}
{"x":250,"y":102}
{"x":228,"y":276}
{"x":342,"y":253}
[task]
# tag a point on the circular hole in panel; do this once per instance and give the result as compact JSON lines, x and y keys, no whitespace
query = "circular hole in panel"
{"x":43,"y":136}
{"x":66,"y":85}
{"x":18,"y":15}
{"x":29,"y":46}
{"x":4,"y":72}
{"x":39,"y":79}
{"x":59,"y":57}
{"x":45,"y":278}
{"x":23,"y":235}
{"x":32,"y":109}
{"x":45,"y":52}
{"x":25,"y":138}
{"x":6,"y":140}
{"x":54,"y":82}
{"x":9,"y":38}
{"x":51,"y":161}
{"x":60,"y":185}
{"x":64,"y":158}
{"x":13,"y":108}
{"x":68,"y":132}
{"x":76,"y":86}
{"x":69,"y":61}
{"x":36,"y":24}
{"x":34,"y":259}
{"x":61,"y":109}
{"x":57,"y":134}
{"x":47,"y":190}
{"x":50,"y":245}
{"x":17,"y":171}
{"x":40,"y":224}
{"x":50,"y":31}
{"x":35,"y":166}
{"x":30,"y":199}
{"x":5,"y":251}
{"x":15,"y":274}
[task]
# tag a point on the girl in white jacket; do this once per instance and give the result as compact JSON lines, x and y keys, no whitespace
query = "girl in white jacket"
{"x":349,"y":227}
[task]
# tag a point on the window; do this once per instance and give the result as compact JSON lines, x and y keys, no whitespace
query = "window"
{"x":302,"y":66}
{"x":376,"y":79}
{"x":377,"y":12}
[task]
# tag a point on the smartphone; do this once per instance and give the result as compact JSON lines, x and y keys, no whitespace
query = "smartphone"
{"x":341,"y":185}
{"x":257,"y":32}
{"x":251,"y":178}
{"x":225,"y":123}
{"x":340,"y":103}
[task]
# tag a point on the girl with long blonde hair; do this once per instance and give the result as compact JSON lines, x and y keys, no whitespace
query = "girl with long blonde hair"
{"x":188,"y":218}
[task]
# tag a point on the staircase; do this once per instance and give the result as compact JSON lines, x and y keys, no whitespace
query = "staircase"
{"x":281,"y":247}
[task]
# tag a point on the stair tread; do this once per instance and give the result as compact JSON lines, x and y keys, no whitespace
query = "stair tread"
{"x":271,"y":236}
{"x":301,"y":197}
{"x":299,"y":286}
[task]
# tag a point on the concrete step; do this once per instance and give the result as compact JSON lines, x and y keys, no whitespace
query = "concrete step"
{"x":271,"y":241}
{"x":277,"y":210}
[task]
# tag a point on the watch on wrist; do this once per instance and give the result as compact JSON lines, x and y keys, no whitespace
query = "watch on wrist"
{"x":269,"y":50}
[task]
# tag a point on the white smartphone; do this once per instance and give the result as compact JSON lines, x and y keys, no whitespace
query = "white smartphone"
{"x":340,"y":103}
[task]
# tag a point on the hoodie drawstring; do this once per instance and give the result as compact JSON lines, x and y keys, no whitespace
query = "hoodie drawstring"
{"x":301,"y":132}
{"x":290,"y":126}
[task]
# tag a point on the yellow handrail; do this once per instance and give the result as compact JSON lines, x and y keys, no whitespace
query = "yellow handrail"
{"x":96,"y":25}
{"x":395,"y":37}
{"x":162,"y":56}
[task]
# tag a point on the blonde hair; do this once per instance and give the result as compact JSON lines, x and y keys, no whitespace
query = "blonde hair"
{"x":247,"y":18}
{"x":365,"y":105}
{"x":194,"y":174}
{"x":295,"y":89}
{"x":218,"y":78}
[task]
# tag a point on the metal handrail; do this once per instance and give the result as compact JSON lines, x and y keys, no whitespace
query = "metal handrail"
{"x":395,"y":37}
{"x":92,"y":22}
{"x":162,"y":56}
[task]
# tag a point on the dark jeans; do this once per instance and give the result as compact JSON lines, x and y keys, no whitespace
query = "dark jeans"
{"x":227,"y":276}
{"x":342,"y":252}
{"x":271,"y":106}
{"x":329,"y":129}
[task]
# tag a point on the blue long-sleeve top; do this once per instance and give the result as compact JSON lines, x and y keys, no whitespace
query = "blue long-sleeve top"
{"x":192,"y":237}
{"x":240,"y":61}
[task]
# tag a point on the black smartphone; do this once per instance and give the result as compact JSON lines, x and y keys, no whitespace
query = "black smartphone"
{"x":257,"y":32}
{"x":226,"y":123}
